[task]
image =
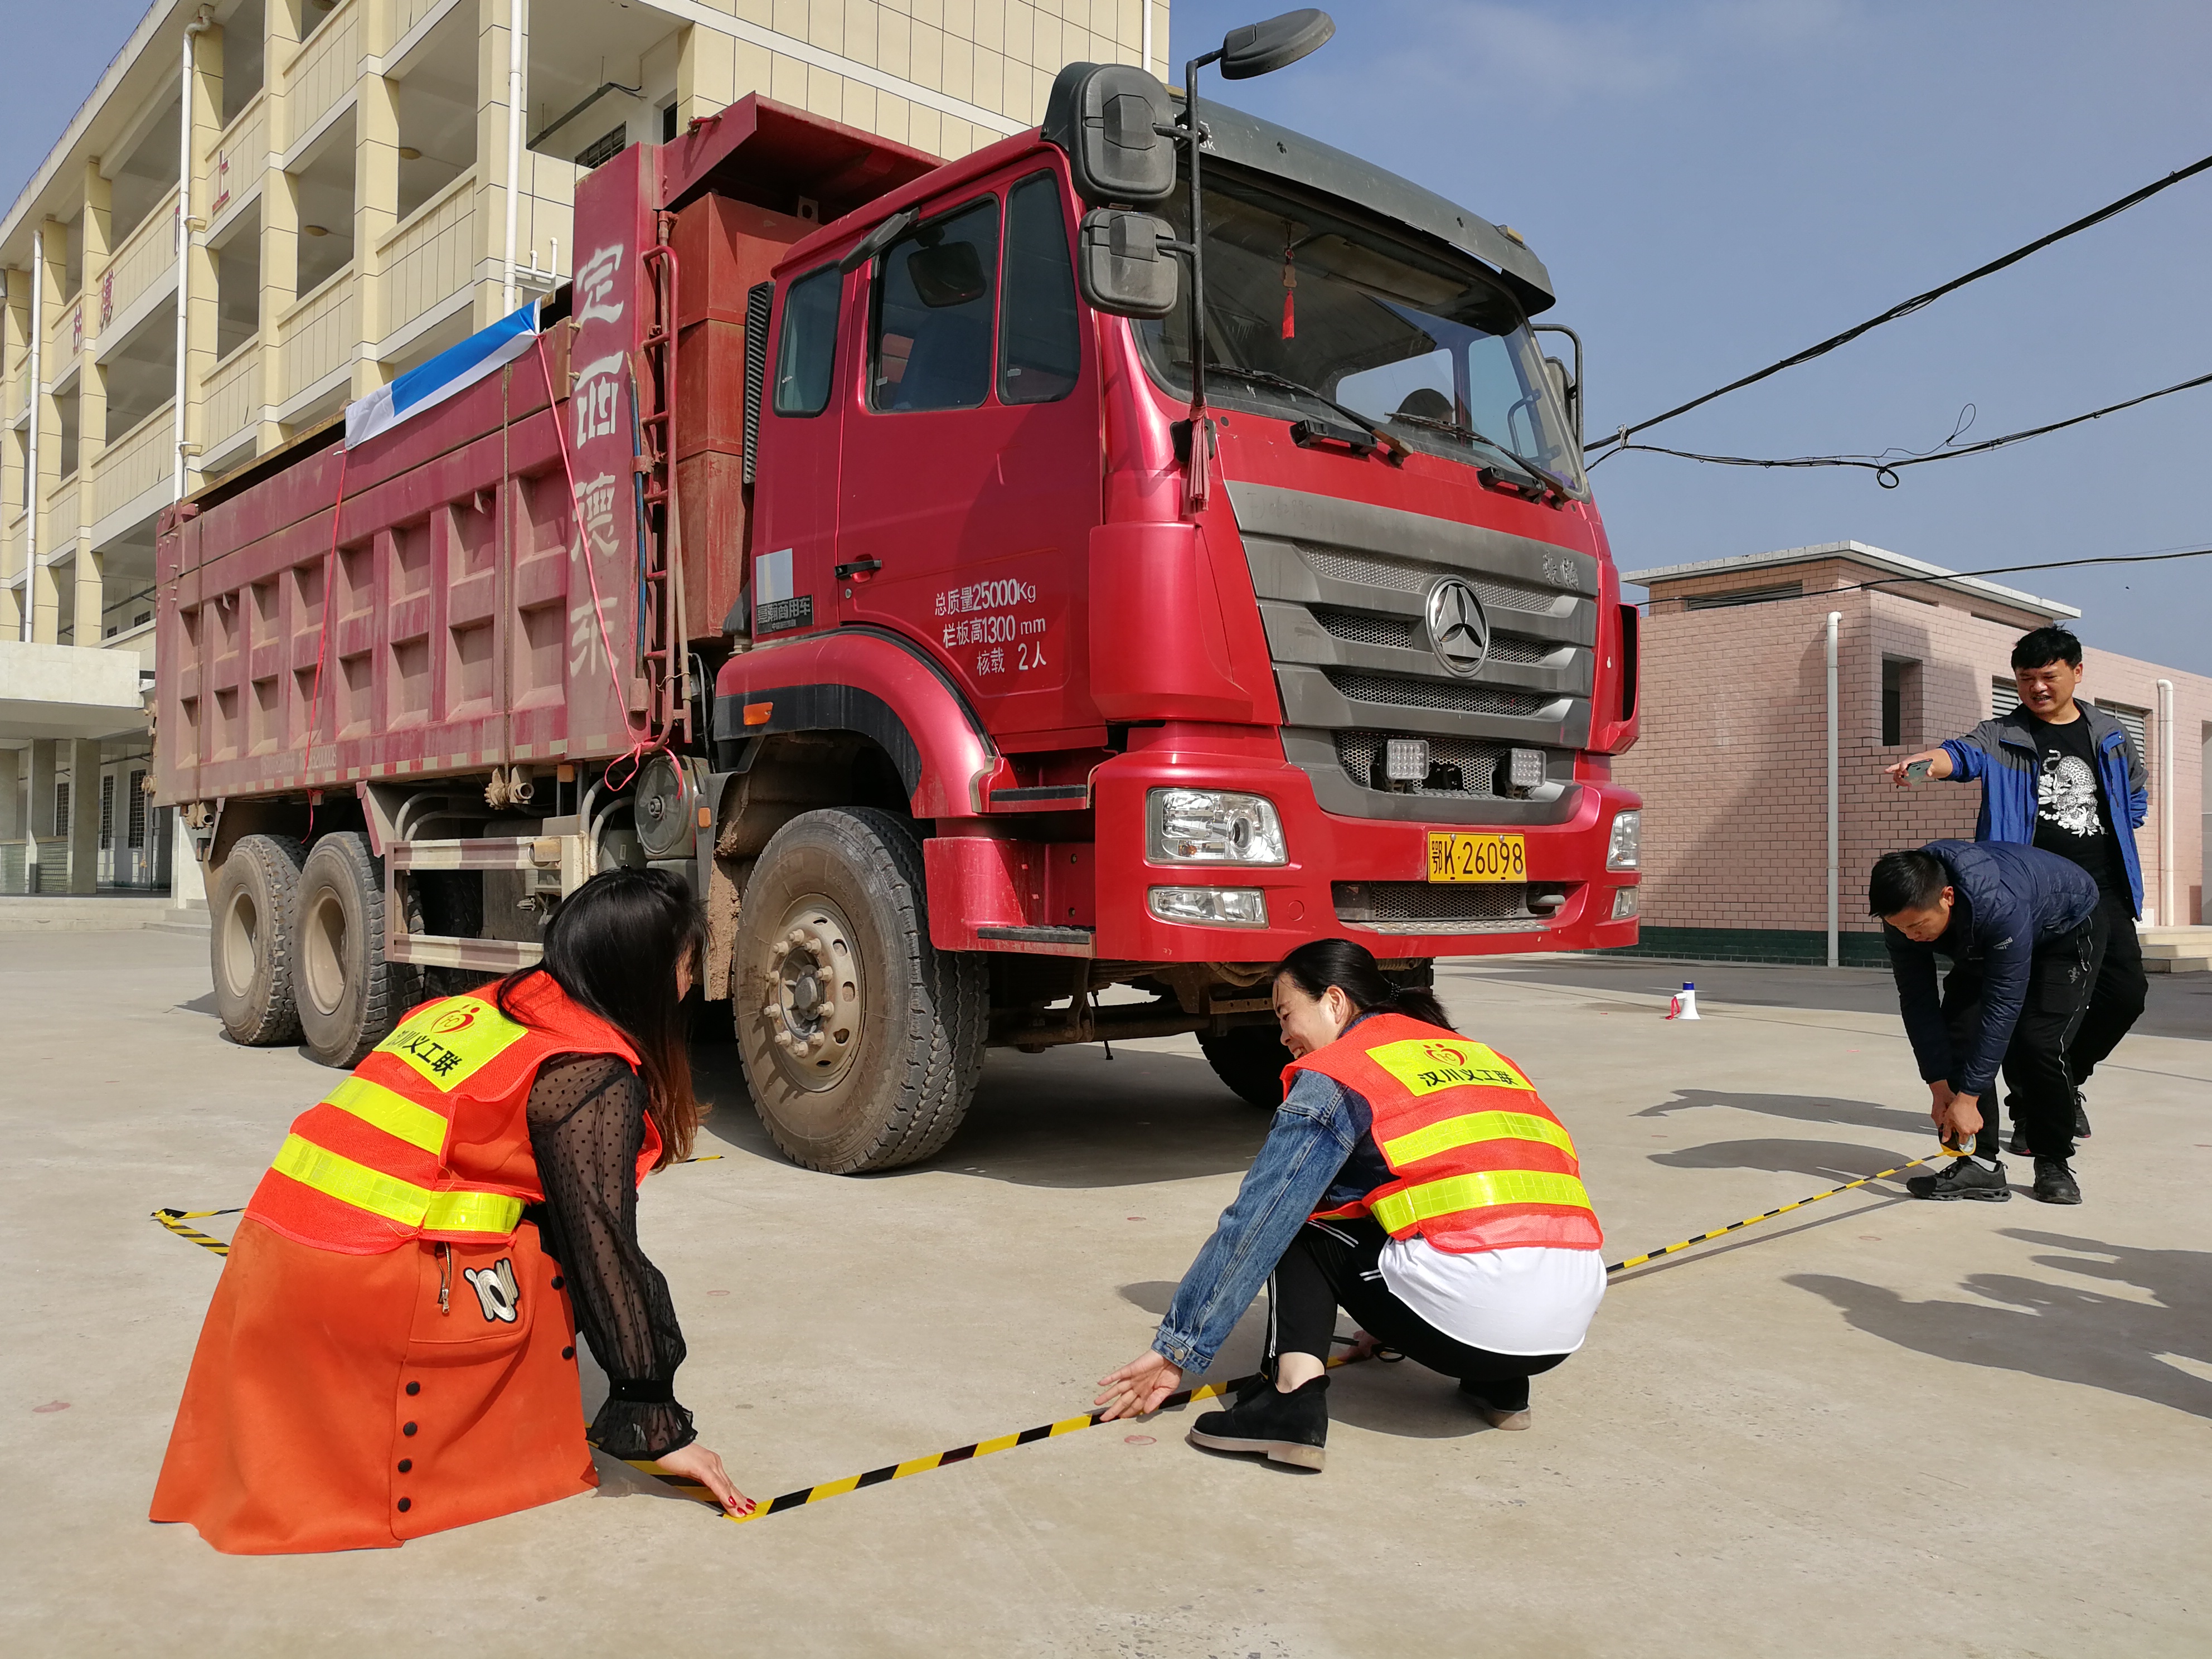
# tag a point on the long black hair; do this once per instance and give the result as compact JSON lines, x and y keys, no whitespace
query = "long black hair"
{"x":614,"y":946}
{"x":1313,"y":968}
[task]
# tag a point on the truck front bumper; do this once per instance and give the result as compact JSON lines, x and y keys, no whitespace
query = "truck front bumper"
{"x":1361,"y":879}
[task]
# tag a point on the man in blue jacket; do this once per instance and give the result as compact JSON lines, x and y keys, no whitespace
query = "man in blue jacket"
{"x":2024,"y":933}
{"x":2064,"y":776}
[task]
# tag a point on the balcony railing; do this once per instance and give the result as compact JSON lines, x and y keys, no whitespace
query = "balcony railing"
{"x":61,"y":523}
{"x":228,"y":398}
{"x":319,"y":334}
{"x":430,"y":256}
{"x":148,"y":254}
{"x":233,"y":164}
{"x":326,"y":68}
{"x":142,"y":458}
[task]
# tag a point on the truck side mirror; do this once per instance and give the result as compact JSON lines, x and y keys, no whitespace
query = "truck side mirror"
{"x":1263,"y":48}
{"x":1120,"y":266}
{"x":1104,"y":116}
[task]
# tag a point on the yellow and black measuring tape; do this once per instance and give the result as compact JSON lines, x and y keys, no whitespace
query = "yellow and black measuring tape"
{"x":814,"y":1494}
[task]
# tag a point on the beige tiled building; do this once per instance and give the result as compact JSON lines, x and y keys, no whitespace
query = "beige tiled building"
{"x":1733,"y":760}
{"x":344,"y":216}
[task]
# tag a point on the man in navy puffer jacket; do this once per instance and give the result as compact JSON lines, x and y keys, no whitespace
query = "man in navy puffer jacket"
{"x":2024,"y":934}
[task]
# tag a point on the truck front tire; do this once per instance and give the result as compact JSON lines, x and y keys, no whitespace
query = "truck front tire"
{"x":348,"y":994}
{"x":861,"y":1041}
{"x":249,"y":940}
{"x":1250,"y":1059}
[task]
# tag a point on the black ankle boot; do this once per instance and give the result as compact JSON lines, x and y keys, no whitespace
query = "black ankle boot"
{"x":1285,"y":1428}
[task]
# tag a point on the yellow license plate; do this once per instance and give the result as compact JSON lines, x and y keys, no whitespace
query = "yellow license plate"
{"x":1454,"y":857}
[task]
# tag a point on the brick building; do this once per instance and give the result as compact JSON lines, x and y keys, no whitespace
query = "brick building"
{"x":1732,"y":764}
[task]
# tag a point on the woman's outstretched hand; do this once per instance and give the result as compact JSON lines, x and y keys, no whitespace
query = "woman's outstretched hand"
{"x":1137,"y":1388}
{"x":695,"y":1463}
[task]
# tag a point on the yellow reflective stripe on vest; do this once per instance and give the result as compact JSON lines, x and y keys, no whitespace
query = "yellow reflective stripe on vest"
{"x":395,"y":1200}
{"x":1424,"y":1202}
{"x":396,"y":1115}
{"x":1470,"y":1126}
{"x":450,"y":1041}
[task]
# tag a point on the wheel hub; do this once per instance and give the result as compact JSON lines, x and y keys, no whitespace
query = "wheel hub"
{"x":812,"y":1009}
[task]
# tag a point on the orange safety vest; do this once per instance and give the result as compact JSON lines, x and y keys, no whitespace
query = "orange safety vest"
{"x":1477,"y":1161}
{"x":428,"y":1137}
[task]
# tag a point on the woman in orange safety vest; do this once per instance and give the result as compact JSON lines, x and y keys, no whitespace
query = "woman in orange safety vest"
{"x":1411,"y":1177}
{"x":391,"y":1350}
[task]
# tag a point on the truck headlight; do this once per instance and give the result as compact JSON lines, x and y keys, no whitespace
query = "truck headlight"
{"x":1626,"y":846}
{"x":1212,"y":826}
{"x":1216,"y":907}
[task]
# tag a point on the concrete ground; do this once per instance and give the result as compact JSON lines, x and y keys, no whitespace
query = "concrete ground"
{"x":1873,"y":1427}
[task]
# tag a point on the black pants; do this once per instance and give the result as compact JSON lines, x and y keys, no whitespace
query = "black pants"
{"x":2117,"y":1003}
{"x":2059,"y":981}
{"x":1331,"y":1265}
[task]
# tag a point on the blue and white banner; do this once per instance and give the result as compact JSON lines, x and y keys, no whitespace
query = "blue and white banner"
{"x":454,"y":369}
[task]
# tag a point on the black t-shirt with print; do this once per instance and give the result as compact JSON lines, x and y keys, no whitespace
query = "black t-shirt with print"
{"x":2072,"y":816}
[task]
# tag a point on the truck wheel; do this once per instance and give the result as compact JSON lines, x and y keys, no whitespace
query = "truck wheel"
{"x":1250,"y":1059}
{"x":250,"y":942}
{"x":861,"y":1040}
{"x":349,"y":995}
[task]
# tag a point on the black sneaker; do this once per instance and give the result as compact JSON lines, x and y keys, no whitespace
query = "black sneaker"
{"x":2081,"y":1115}
{"x":1964,"y":1179}
{"x":2020,"y":1148}
{"x":1285,"y":1428}
{"x":2054,"y":1182}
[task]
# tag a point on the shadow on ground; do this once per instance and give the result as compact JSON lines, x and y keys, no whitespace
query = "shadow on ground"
{"x":1800,"y":1109}
{"x":1069,"y":1117}
{"x":1832,"y":1160}
{"x":2058,"y":1330}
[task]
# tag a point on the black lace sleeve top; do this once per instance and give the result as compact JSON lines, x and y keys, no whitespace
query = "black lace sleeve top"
{"x":587,"y":1115}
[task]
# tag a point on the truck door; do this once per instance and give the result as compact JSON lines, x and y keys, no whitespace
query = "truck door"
{"x":789,"y":586}
{"x":971,"y":477}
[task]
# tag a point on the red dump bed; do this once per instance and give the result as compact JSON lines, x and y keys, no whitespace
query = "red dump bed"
{"x":447,"y":623}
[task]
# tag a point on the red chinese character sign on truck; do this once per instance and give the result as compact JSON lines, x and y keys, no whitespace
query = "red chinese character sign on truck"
{"x":967,"y":652}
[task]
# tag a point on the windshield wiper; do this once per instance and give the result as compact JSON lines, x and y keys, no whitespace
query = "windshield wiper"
{"x":1283,"y":382}
{"x":1452,"y":428}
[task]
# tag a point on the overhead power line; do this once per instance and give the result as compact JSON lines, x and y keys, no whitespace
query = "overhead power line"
{"x":1886,"y":469}
{"x":1906,"y":307}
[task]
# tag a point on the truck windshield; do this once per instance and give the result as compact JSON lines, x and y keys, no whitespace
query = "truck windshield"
{"x":1427,"y":345}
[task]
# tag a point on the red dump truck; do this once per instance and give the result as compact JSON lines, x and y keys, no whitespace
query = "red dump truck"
{"x":852,"y":537}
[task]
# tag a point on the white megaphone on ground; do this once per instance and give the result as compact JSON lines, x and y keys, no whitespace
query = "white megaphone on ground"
{"x":1684,"y":1004}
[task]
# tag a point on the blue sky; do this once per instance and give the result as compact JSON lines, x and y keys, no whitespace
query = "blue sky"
{"x":1717,"y":183}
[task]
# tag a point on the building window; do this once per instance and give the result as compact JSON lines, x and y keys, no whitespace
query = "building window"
{"x":604,"y":149}
{"x":2137,"y":722}
{"x":106,"y":812}
{"x":1745,"y":596}
{"x":61,"y":809}
{"x":668,"y":122}
{"x":1901,"y":702}
{"x":134,"y":810}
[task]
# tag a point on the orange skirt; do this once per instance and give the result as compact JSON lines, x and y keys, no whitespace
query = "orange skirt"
{"x":333,"y":1404}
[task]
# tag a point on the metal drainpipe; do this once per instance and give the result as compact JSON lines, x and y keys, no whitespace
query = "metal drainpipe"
{"x":2166,"y":913}
{"x":38,"y":404}
{"x":1148,"y":36}
{"x":198,"y":25}
{"x":1835,"y":806}
{"x":514,"y":144}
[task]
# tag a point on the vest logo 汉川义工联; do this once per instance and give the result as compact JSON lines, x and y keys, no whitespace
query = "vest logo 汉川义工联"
{"x":1424,"y":1066}
{"x":448,"y":1042}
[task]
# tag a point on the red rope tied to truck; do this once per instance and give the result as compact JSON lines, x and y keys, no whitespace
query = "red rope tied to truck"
{"x":323,"y":638}
{"x":643,"y":742}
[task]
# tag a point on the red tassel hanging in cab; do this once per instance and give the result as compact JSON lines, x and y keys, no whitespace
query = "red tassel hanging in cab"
{"x":1290,"y":293}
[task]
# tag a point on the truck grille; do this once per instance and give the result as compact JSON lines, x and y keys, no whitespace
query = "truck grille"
{"x":1478,"y":763}
{"x":1371,"y":628}
{"x":1413,"y":576}
{"x":1401,"y":691}
{"x":1415,"y":907}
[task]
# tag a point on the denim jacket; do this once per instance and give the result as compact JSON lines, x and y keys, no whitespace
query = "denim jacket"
{"x":1318,"y":1154}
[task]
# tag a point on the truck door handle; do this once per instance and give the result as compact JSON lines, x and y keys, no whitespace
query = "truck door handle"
{"x":860,"y":569}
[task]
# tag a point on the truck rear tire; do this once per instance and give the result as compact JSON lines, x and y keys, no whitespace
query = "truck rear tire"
{"x":349,"y":996}
{"x":861,"y":1040}
{"x":250,"y":941}
{"x":1250,"y":1059}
